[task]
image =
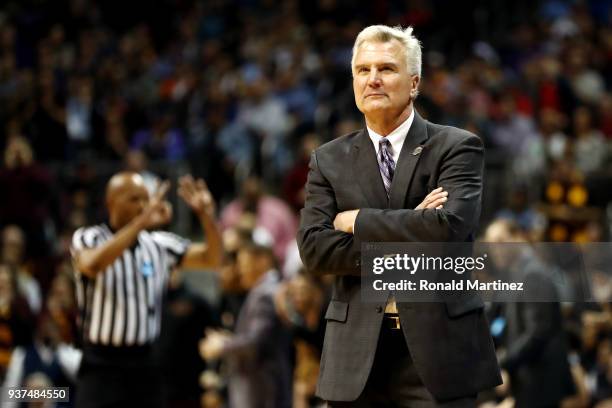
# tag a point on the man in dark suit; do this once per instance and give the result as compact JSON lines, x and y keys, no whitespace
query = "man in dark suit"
{"x":258,"y":353}
{"x":536,"y":351}
{"x":402,"y":179}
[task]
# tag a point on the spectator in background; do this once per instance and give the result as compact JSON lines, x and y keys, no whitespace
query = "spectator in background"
{"x":271,"y":214}
{"x":601,"y":375}
{"x":605,"y":113}
{"x":232,"y":292}
{"x":225,"y":153}
{"x":13,"y":255}
{"x":61,"y":304}
{"x":549,"y":146}
{"x":512,"y":130}
{"x":590,"y":150}
{"x":535,"y":358}
{"x":162,"y":141}
{"x":522,"y":213}
{"x":84,"y":190}
{"x":258,"y":351}
{"x":47,"y":356}
{"x":295,"y":180}
{"x":26,"y":195}
{"x":116,"y":144}
{"x":16,"y":325}
{"x":45,"y":118}
{"x":264,"y":114}
{"x":299,"y":304}
{"x":80,"y":116}
{"x":586,"y":83}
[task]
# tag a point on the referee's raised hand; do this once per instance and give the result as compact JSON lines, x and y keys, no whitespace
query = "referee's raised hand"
{"x":197,"y":196}
{"x":158,"y":211}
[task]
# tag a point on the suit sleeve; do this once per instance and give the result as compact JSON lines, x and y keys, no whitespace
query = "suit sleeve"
{"x":460,"y":175}
{"x":262,"y":324}
{"x":322,"y":248}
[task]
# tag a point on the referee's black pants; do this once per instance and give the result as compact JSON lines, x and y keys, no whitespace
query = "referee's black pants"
{"x":119,"y":377}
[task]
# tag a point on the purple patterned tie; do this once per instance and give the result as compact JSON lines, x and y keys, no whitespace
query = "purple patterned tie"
{"x":386,"y":163}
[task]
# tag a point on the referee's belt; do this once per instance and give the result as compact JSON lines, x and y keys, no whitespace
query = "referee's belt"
{"x":392,"y":321}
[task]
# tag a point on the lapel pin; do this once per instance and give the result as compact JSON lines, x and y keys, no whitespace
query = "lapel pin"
{"x":417,"y":150}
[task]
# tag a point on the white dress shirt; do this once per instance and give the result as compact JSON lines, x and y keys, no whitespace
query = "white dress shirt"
{"x":396,"y":137}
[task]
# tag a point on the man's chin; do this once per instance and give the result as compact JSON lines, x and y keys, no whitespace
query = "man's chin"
{"x":375,"y":108}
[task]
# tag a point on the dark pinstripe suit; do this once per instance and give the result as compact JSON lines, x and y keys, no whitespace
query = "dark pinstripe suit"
{"x":449,"y":342}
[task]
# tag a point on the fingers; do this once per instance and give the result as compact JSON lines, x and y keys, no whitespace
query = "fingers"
{"x":202,"y":184}
{"x":166,"y":211}
{"x":434,"y":200}
{"x":185,"y":193}
{"x":435,"y":203}
{"x":436,"y":190}
{"x":435,"y":194}
{"x":160,"y":213}
{"x":337,"y":221}
{"x":187,"y":186}
{"x":162,"y":190}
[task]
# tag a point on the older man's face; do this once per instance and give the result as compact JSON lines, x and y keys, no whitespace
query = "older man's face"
{"x":381,"y":81}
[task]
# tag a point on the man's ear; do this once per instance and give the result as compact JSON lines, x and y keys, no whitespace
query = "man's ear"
{"x":414,"y":89}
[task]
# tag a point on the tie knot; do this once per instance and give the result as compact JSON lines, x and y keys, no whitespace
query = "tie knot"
{"x":385,"y":145}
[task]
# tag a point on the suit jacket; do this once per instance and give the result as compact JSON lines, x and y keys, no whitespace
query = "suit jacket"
{"x":449,"y":342}
{"x":537,"y":352}
{"x":259,"y":352}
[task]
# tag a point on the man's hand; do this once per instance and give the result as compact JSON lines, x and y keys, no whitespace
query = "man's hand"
{"x":201,"y":255}
{"x":197,"y":196}
{"x":504,"y":388}
{"x":435,"y":199}
{"x":345,"y":221}
{"x":159,"y":211}
{"x":211,"y":346}
{"x":281,"y":303}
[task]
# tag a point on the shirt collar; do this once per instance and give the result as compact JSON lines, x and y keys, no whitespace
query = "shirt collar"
{"x":396,"y":137}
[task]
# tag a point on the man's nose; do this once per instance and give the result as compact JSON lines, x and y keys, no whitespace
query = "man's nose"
{"x":374,"y":79}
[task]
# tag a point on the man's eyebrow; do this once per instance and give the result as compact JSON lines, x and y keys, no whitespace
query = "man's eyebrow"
{"x":378,"y":64}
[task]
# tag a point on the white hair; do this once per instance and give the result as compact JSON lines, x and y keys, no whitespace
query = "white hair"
{"x":383,"y":33}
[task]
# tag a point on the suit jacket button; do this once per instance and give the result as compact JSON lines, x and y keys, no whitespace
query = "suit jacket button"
{"x":379,"y":309}
{"x":358,"y":262}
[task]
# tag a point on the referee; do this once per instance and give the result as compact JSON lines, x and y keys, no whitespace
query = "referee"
{"x":122,"y":268}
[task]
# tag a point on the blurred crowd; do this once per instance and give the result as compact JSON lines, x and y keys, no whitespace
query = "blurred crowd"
{"x":239,"y":93}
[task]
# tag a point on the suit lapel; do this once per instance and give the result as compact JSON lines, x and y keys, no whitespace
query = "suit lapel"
{"x":407,"y":161}
{"x":366,"y":172}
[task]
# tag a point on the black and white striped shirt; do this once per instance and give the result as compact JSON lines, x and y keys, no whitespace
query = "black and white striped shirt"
{"x":121,"y":306}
